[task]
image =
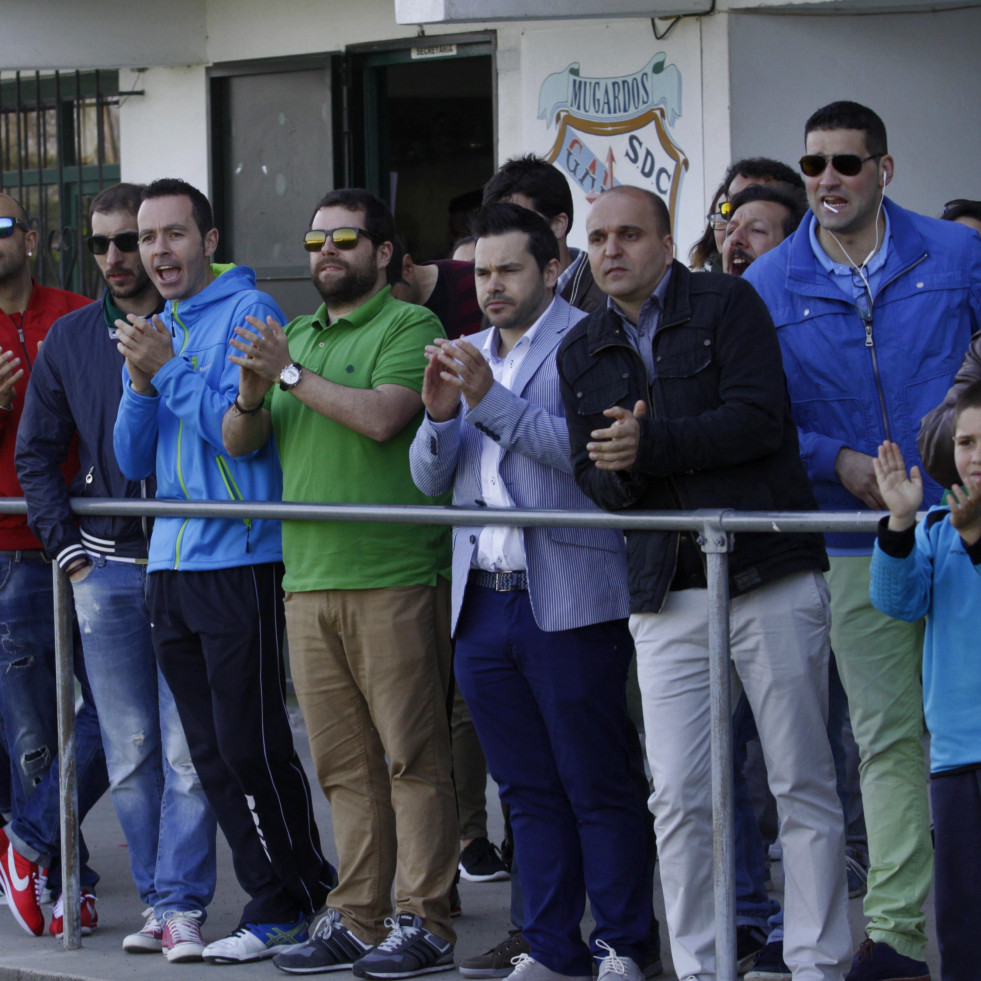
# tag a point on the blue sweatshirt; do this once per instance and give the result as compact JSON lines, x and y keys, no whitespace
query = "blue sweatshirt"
{"x":178,"y":432}
{"x":933,"y":573}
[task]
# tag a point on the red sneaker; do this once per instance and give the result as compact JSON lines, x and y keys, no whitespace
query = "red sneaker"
{"x":23,"y":882}
{"x":90,"y":918}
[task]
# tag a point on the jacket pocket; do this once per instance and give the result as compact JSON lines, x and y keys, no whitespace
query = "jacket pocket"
{"x":592,"y":398}
{"x":688,"y":353}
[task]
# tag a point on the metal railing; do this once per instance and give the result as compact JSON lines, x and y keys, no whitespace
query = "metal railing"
{"x":715,"y":528}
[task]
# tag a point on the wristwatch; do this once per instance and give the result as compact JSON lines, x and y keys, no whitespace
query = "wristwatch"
{"x":290,"y":376}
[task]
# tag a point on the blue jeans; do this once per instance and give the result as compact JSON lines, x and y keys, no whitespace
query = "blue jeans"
{"x":27,"y":703}
{"x":164,"y":814}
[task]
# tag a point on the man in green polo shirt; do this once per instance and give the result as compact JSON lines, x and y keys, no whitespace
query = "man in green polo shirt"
{"x":367,"y":609}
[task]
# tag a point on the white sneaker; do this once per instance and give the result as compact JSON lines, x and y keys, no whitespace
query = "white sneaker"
{"x":616,"y":968}
{"x":181,"y":940}
{"x":256,"y":941}
{"x":147,"y":940}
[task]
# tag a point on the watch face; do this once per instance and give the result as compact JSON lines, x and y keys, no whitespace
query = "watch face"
{"x":290,"y":375}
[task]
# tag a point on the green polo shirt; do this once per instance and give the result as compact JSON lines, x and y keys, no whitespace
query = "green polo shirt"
{"x":380,"y":343}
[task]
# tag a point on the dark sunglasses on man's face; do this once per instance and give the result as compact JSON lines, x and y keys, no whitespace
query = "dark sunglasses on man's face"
{"x":343,"y":238}
{"x":7,"y":226}
{"x":124,"y":241}
{"x":847,"y":164}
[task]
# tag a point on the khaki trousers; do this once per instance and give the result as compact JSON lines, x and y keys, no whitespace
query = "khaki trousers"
{"x":371,"y":670}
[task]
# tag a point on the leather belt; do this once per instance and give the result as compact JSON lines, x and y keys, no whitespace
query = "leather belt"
{"x":501,"y":582}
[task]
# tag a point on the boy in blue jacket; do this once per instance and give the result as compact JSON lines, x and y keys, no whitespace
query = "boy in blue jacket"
{"x":934,"y":570}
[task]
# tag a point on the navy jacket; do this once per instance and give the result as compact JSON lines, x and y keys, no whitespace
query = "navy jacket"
{"x":75,"y":388}
{"x":718,"y":433}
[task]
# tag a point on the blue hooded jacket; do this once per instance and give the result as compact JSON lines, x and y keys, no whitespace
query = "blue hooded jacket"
{"x":178,"y":432}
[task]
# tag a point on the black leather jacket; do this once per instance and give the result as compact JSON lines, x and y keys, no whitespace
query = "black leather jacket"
{"x":718,"y":433}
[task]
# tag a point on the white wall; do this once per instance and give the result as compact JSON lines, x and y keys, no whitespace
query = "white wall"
{"x":920,"y":72}
{"x":103,"y":34}
{"x":163,"y":133}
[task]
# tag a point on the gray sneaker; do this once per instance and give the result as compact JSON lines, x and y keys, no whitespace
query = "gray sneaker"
{"x":498,"y":962}
{"x":331,"y":947}
{"x":616,"y":968}
{"x":526,"y":968}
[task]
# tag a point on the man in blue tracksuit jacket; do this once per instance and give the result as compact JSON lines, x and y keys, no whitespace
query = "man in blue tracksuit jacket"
{"x":214,"y":586}
{"x":874,"y":307}
{"x":74,"y":392}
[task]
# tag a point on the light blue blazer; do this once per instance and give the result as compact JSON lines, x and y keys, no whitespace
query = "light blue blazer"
{"x":576,"y":576}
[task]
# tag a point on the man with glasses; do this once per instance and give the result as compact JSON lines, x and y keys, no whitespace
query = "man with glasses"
{"x":74,"y":393}
{"x":874,"y":306}
{"x":368,"y":604}
{"x":27,"y":668}
{"x":214,"y":586}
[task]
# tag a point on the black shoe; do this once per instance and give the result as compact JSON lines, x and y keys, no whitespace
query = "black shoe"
{"x":769,"y":965}
{"x":879,"y":962}
{"x":480,"y":861}
{"x":750,"y":940}
{"x":498,"y":962}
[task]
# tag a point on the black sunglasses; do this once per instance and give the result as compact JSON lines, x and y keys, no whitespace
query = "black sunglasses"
{"x":847,"y":164}
{"x":7,"y":226}
{"x":343,"y":238}
{"x":124,"y":241}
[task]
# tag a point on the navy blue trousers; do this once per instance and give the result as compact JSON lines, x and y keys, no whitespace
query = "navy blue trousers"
{"x":956,"y":800}
{"x":551,"y":713}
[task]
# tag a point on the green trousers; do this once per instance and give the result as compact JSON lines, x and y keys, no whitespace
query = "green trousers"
{"x":879,"y":660}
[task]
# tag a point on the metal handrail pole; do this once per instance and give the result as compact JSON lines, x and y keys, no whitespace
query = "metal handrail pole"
{"x":716,"y":544}
{"x":67,"y":773}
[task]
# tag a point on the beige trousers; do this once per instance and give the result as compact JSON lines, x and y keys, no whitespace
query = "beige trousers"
{"x":371,"y":670}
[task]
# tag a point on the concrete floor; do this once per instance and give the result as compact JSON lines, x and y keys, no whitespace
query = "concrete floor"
{"x":24,"y":958}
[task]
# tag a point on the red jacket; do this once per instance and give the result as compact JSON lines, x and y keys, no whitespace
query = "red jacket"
{"x":20,"y":333}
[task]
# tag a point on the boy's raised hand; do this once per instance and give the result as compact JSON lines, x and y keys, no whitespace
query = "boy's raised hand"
{"x":903,"y":494}
{"x":965,"y":511}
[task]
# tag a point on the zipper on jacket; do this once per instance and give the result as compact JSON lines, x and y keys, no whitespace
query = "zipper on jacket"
{"x":144,"y":519}
{"x":668,"y":479}
{"x":870,"y":344}
{"x":180,"y":433}
{"x":23,"y":343}
{"x":870,"y":341}
{"x":236,"y":495}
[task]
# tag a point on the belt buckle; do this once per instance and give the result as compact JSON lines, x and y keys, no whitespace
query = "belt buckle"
{"x":503,"y":582}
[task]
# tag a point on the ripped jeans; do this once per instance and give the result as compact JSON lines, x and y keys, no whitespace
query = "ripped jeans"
{"x":165,"y":816}
{"x":27,"y":703}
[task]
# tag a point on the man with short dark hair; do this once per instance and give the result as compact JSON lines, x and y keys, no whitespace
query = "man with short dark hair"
{"x":74,"y":394}
{"x":27,"y":663}
{"x":536,"y":184}
{"x":676,"y":400}
{"x":214,"y":590}
{"x":368,"y":611}
{"x":540,"y":617}
{"x":752,"y":171}
{"x":874,"y":306}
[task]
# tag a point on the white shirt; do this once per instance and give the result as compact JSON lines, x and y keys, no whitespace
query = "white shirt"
{"x":499,"y":548}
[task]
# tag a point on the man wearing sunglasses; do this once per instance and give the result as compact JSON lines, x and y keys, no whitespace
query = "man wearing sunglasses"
{"x":214,"y":585}
{"x":74,"y":393}
{"x":874,"y":306}
{"x":27,"y":672}
{"x":368,"y":604}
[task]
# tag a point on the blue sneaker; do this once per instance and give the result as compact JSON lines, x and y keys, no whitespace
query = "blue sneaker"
{"x":879,"y":962}
{"x":256,"y":942}
{"x":408,"y":950}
